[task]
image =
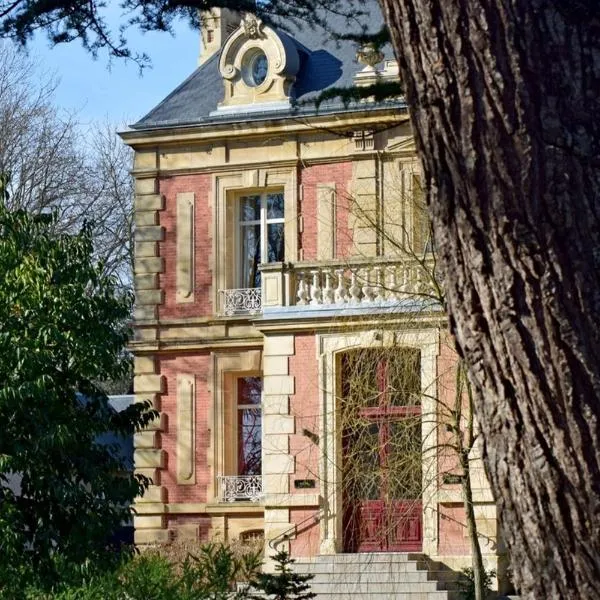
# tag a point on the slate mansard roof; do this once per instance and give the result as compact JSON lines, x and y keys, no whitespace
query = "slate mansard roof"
{"x":324,"y":63}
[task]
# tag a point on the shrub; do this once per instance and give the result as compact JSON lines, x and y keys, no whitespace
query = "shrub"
{"x":182,"y":572}
{"x":466,"y":582}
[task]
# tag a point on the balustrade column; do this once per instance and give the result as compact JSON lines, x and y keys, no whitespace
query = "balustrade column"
{"x":315,"y":290}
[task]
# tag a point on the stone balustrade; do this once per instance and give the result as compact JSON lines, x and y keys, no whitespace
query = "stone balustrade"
{"x":310,"y":284}
{"x":356,"y":284}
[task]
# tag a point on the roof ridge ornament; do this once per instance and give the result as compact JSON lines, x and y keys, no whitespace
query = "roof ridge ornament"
{"x":252,"y":26}
{"x":369,"y":54}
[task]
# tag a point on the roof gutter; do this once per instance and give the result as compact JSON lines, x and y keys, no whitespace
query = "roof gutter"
{"x":226,"y":127}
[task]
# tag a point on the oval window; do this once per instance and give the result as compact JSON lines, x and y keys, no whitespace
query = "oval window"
{"x":256,"y":68}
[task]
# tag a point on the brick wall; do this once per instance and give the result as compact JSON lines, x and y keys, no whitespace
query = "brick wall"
{"x":304,"y":405}
{"x":170,"y":366}
{"x":310,"y":177}
{"x":307,"y":534}
{"x":446,"y":382}
{"x":201,"y":185}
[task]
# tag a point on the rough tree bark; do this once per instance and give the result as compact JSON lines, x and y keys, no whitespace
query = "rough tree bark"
{"x":505,"y":104}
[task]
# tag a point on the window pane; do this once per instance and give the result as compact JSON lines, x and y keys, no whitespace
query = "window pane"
{"x":276,"y":248}
{"x":249,"y":390}
{"x":250,"y":256}
{"x":249,"y":441}
{"x":250,"y":208}
{"x":275,"y":206}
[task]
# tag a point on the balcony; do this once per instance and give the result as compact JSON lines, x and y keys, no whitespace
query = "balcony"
{"x":240,"y":488}
{"x":347,"y":284}
{"x":242,"y":301}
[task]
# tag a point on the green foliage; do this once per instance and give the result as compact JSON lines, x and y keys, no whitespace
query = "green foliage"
{"x":214,"y":571}
{"x":378,"y":92}
{"x":466,"y":582}
{"x":284,"y":584}
{"x":149,"y":577}
{"x":211,"y":574}
{"x":63,"y":490}
{"x":67,"y":20}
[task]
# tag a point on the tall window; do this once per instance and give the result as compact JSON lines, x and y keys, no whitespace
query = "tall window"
{"x":261,"y":225}
{"x":249,"y":425}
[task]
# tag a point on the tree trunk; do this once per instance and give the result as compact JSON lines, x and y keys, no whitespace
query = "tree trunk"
{"x":506,"y":110}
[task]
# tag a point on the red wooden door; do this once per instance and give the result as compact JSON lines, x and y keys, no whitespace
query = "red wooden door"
{"x":382,"y":462}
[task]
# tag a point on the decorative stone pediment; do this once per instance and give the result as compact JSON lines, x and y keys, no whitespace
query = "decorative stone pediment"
{"x":259,"y":66}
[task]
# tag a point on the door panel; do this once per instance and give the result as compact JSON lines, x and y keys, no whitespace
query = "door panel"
{"x":382,"y":461}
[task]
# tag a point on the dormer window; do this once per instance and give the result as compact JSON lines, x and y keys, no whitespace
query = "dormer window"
{"x":259,"y":66}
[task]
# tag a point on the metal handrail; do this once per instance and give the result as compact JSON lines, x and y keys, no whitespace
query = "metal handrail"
{"x":287,"y":534}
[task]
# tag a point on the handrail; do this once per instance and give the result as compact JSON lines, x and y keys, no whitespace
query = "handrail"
{"x":287,"y":534}
{"x":493,"y":542}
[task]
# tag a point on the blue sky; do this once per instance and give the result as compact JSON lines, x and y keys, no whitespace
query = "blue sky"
{"x":96,"y":90}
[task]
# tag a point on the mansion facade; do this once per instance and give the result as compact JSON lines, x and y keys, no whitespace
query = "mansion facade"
{"x":288,"y":323}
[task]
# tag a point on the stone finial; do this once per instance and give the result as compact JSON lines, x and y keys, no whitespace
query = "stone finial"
{"x":369,"y":55}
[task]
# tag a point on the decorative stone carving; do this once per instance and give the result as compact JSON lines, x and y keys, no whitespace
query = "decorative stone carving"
{"x":252,"y":26}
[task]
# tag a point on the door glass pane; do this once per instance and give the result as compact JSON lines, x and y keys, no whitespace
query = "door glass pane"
{"x":403,"y":459}
{"x":275,"y":206}
{"x":250,"y":256}
{"x":360,"y":378}
{"x":249,"y":441}
{"x":249,"y":390}
{"x":275,"y":247}
{"x":250,"y":208}
{"x":362,"y":470}
{"x":404,"y":377}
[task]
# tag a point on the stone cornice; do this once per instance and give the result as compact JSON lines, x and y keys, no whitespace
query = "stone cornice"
{"x":206,"y":132}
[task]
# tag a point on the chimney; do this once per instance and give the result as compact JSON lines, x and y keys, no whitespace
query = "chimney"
{"x":216,"y":25}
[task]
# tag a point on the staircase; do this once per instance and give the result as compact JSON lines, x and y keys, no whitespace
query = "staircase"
{"x":378,"y":576}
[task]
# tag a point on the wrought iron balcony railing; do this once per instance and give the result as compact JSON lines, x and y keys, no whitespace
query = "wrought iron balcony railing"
{"x":242,"y":301}
{"x":238,"y":488}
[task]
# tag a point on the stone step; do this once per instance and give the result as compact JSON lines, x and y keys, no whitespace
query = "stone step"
{"x":440,"y":595}
{"x":378,"y":576}
{"x":369,"y":557}
{"x":360,"y":587}
{"x":334,"y":567}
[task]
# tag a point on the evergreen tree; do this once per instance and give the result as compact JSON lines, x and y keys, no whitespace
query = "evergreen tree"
{"x":285,"y":583}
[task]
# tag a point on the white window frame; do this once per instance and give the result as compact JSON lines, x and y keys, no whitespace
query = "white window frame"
{"x":264,"y":223}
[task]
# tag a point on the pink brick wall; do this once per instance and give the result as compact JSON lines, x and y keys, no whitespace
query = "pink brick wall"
{"x":310,"y":177}
{"x":307,"y":535}
{"x":170,"y":366}
{"x":304,"y":405}
{"x":451,"y":517}
{"x":452,"y":530}
{"x":201,"y":186}
{"x":448,"y":463}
